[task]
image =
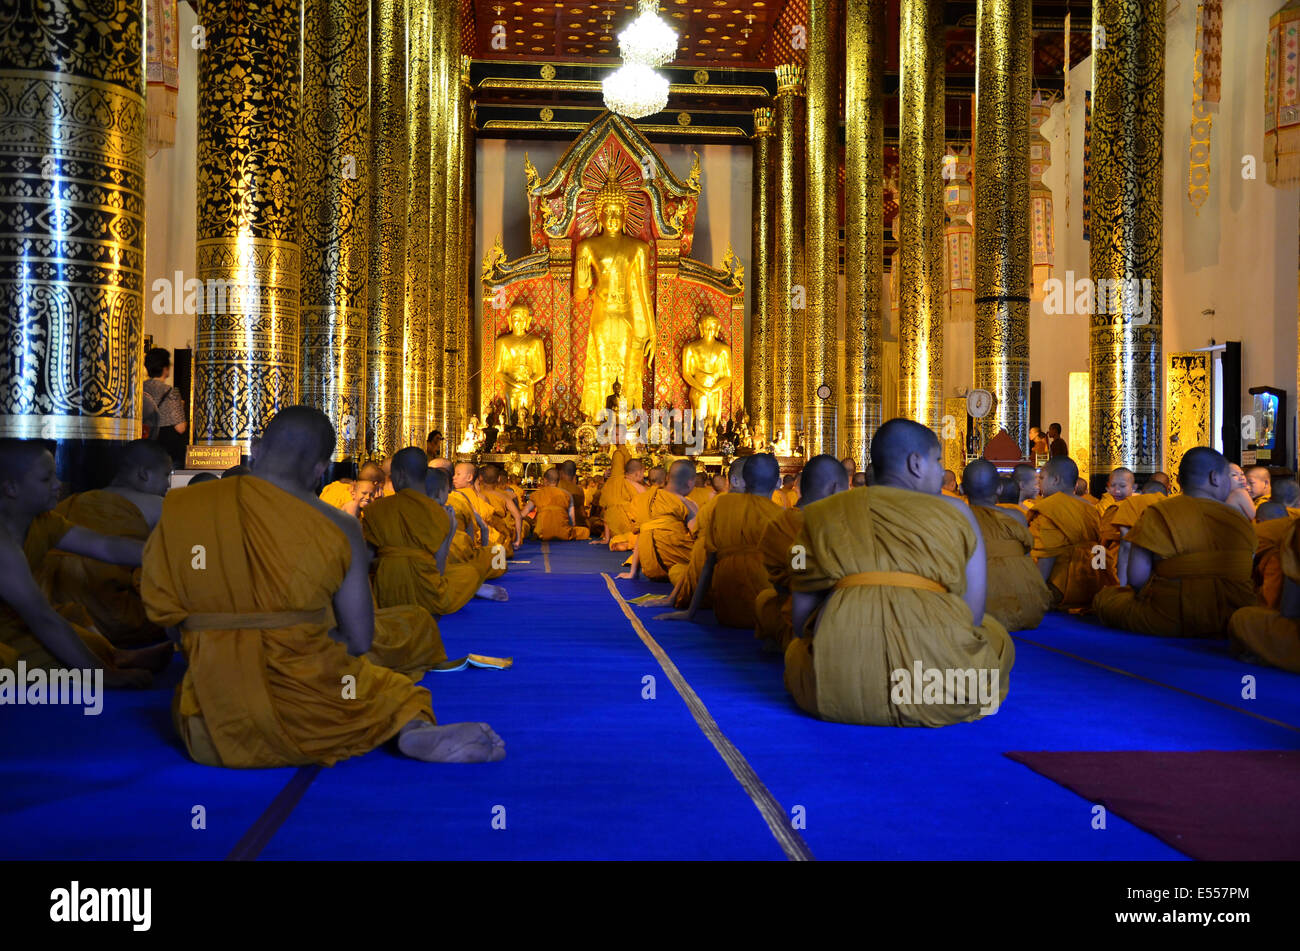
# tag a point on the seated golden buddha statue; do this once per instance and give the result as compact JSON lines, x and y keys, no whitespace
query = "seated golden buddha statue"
{"x":614,"y":268}
{"x":706,"y":368}
{"x":521,"y":363}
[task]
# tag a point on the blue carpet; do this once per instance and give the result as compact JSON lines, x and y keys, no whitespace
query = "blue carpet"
{"x":595,"y":771}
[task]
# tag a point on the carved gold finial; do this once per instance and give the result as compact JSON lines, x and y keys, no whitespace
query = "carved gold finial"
{"x":496,"y":256}
{"x":789,"y":78}
{"x":694,"y":180}
{"x":531,"y":172}
{"x":611,"y":193}
{"x":733,"y":265}
{"x":764,"y":121}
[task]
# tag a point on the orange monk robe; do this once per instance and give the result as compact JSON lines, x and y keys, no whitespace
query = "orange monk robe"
{"x":1122,"y":517}
{"x":265,"y":685}
{"x":868,"y":628}
{"x":635,"y":513}
{"x":1016,"y":593}
{"x":663,"y":541}
{"x":772,"y":604}
{"x":407,"y":529}
{"x":109,"y":593}
{"x":17,"y":642}
{"x":1105,"y":503}
{"x":1264,"y":634}
{"x":1021,"y":507}
{"x":501,"y":519}
{"x":701,"y":494}
{"x":1068,"y":529}
{"x":337,"y":494}
{"x":551,"y":520}
{"x":483,"y":506}
{"x":685,"y":579}
{"x":1267,"y":576}
{"x":953,"y":495}
{"x":579,"y":501}
{"x":616,"y":496}
{"x":786,"y":498}
{"x":467,"y":545}
{"x":1205,"y":549}
{"x":732,"y":535}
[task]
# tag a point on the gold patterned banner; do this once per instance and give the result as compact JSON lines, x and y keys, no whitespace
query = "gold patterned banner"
{"x":162,"y":60}
{"x":1188,"y":405}
{"x":1205,"y":91}
{"x":1282,"y":98}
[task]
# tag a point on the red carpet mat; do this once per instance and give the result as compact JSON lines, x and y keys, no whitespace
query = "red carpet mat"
{"x":1213,"y":805}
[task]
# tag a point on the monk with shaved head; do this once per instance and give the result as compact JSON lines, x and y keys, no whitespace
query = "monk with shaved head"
{"x":624,"y":515}
{"x":895,"y":574}
{"x":32,"y":629}
{"x":507,"y":517}
{"x":568,"y":474}
{"x":475,"y":540}
{"x":553,"y":509}
{"x":411,"y":534}
{"x":279,"y":671}
{"x":1119,"y":521}
{"x":821,"y":478}
{"x":1017,"y":594}
{"x":684,"y":586}
{"x":1259,"y":484}
{"x":1189,"y":559}
{"x":128,"y":508}
{"x":1067,"y":539}
{"x":352,"y":495}
{"x":663,"y":541}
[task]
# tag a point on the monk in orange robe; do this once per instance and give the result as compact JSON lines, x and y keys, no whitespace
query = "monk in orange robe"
{"x":787,"y":496}
{"x":128,"y":508}
{"x":1188,"y":560}
{"x":1262,"y":635}
{"x":822,"y":476}
{"x":553,"y":511}
{"x":465,"y":483}
{"x":703,"y":490}
{"x":1067,"y":539}
{"x":569,"y":483}
{"x":32,"y":630}
{"x":684,"y":582}
{"x":1272,"y":523}
{"x":733,"y":570}
{"x":1016,"y":593}
{"x":411,"y":534}
{"x":269,"y":588}
{"x":895,"y":576}
{"x":625,"y":477}
{"x":474,"y":536}
{"x":1119,"y":521}
{"x":506,"y":516}
{"x":352,"y":495}
{"x":1259,"y":483}
{"x":950,"y":485}
{"x":663,"y":542}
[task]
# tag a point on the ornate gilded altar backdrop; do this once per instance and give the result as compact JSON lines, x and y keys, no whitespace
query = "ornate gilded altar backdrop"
{"x":661,"y":211}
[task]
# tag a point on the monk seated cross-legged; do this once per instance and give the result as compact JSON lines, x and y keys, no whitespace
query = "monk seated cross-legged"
{"x":32,"y":629}
{"x":553,"y":511}
{"x":733,"y":570}
{"x":474,"y":540}
{"x":896,"y":574}
{"x":412,"y":534}
{"x":685,"y":580}
{"x":1017,"y":595}
{"x":1067,"y":539}
{"x":1188,"y":559}
{"x":270,"y":589}
{"x":663,"y":541}
{"x":1264,"y":635}
{"x":626,"y":477}
{"x":1272,"y":524}
{"x":568,"y":473}
{"x":506,"y":516}
{"x":703,"y":490}
{"x":128,"y":508}
{"x":352,"y":495}
{"x":1119,"y":521}
{"x":822,"y":476}
{"x":1120,"y":485}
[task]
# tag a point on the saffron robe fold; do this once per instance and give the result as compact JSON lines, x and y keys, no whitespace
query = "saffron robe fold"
{"x":616,"y":495}
{"x":262,"y":696}
{"x":407,"y":529}
{"x":663,"y":541}
{"x":1119,"y":519}
{"x":1068,"y":530}
{"x":865,"y":633}
{"x":17,"y":642}
{"x":579,"y":501}
{"x":109,"y":593}
{"x":1205,"y":549}
{"x":772,"y":604}
{"x":551,"y":520}
{"x":1267,"y":576}
{"x":1263,"y":632}
{"x":686,"y":577}
{"x":337,"y":494}
{"x":467,"y":545}
{"x":732,"y":535}
{"x":1016,"y":593}
{"x":701,"y":495}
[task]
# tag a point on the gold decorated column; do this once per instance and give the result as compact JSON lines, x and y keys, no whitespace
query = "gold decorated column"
{"x":447,"y":145}
{"x":72,"y":246}
{"x":789,"y":294}
{"x":1128,"y":81}
{"x":920,"y":212}
{"x":334,"y":177}
{"x":761,"y":329}
{"x":1003,"y":257}
{"x":465,"y":249}
{"x":385,"y":362}
{"x":419,"y":288}
{"x":864,"y":235}
{"x":248,"y":347}
{"x":822,"y":214}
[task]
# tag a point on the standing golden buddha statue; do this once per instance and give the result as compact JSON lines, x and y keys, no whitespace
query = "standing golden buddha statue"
{"x":706,"y":368}
{"x":521,"y":364}
{"x":615,"y":269}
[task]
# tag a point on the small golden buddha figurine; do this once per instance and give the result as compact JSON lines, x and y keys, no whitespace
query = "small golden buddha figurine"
{"x":521,"y":363}
{"x":706,"y":368}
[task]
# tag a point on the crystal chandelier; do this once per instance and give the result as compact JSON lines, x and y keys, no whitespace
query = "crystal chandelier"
{"x":634,"y":89}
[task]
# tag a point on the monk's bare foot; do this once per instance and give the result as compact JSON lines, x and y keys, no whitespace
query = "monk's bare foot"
{"x":451,"y":743}
{"x":153,"y":659}
{"x":492,"y":592}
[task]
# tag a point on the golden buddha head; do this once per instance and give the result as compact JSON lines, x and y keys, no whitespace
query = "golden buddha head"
{"x":518,"y":318}
{"x":710,"y":327}
{"x":611,"y":203}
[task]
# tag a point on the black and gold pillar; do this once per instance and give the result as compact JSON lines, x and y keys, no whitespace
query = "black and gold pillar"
{"x":822,"y":215}
{"x":446,"y":147}
{"x":415,"y":331}
{"x":385,"y":362}
{"x":1128,"y":82}
{"x":72,"y":246}
{"x":1003,"y":259}
{"x":789,"y":293}
{"x":864,"y":235}
{"x":920,"y":212}
{"x":761,"y":253}
{"x":465,"y":249}
{"x":248,"y":346}
{"x":334,"y":189}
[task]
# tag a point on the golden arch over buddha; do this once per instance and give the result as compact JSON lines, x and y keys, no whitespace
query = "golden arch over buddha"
{"x":614,"y":269}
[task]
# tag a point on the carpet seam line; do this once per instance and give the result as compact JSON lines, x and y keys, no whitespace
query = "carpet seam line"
{"x":260,"y":833}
